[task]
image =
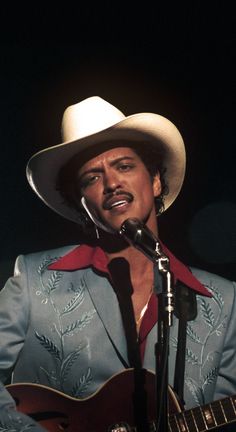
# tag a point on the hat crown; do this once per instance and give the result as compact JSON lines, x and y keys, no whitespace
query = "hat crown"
{"x":88,"y":117}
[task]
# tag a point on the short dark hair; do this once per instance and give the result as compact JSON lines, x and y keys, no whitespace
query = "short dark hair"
{"x":153,"y":160}
{"x":67,"y":183}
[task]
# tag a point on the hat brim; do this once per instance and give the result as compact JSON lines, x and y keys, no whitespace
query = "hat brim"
{"x":43,"y":167}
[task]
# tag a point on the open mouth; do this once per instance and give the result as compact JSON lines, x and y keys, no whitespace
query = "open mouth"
{"x":117,"y":202}
{"x":120,"y":203}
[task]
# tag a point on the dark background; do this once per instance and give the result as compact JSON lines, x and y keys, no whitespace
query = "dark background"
{"x":173,"y":59}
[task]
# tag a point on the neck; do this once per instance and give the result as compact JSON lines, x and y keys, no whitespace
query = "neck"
{"x":140,"y":267}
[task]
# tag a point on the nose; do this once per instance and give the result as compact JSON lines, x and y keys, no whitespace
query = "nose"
{"x":111,"y":181}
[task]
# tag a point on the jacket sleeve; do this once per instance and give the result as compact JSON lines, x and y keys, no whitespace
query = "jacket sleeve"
{"x":226,"y":381}
{"x":14,"y":313}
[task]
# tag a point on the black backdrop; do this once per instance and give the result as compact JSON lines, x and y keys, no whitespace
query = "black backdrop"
{"x":175,"y":60}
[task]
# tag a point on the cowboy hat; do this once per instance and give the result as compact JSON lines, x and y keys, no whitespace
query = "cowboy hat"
{"x":91,"y":122}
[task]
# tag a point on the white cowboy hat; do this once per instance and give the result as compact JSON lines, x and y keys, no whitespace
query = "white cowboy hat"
{"x":93,"y":121}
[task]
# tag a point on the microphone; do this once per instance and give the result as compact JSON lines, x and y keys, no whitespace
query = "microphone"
{"x":141,"y":237}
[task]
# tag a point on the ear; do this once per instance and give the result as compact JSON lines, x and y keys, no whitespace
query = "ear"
{"x":156,"y":185}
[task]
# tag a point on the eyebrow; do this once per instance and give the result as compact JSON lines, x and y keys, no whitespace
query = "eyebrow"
{"x":112,"y":163}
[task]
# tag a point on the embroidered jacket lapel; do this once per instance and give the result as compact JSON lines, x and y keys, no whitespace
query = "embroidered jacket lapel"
{"x":107,"y":307}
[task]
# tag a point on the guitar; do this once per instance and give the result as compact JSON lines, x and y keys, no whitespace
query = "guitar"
{"x":111,"y":408}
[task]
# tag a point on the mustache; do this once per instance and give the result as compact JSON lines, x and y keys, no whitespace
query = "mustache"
{"x":109,"y":197}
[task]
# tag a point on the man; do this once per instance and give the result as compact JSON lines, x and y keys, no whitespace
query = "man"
{"x":73,"y":318}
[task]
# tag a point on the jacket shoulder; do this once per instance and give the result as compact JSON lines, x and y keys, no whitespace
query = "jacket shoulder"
{"x":214,"y":281}
{"x":43,"y":256}
{"x":204,"y":275}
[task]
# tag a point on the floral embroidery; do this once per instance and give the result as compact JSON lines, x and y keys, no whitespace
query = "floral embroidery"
{"x":191,"y":357}
{"x":53,"y":280}
{"x":210,"y":312}
{"x":49,"y":346}
{"x":210,"y":377}
{"x":82,"y":385}
{"x":207,"y":313}
{"x":79,"y":324}
{"x":15,"y":423}
{"x":76,"y":300}
{"x":63,"y":362}
{"x":193,"y":335}
{"x":195,"y":390}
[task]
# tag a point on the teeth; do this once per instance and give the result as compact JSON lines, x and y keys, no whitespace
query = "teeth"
{"x":117,"y":203}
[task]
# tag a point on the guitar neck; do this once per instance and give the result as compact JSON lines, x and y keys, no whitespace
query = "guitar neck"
{"x":204,"y":418}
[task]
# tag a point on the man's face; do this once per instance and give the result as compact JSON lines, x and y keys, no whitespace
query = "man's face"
{"x":117,"y":185}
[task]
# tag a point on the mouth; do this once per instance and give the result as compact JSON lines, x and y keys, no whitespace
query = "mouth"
{"x":118,"y":201}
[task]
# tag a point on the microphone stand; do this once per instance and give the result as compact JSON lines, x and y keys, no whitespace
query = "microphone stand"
{"x":143,"y":239}
{"x":165,"y":321}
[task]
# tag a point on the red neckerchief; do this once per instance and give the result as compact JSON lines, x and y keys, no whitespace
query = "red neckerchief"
{"x":85,"y":256}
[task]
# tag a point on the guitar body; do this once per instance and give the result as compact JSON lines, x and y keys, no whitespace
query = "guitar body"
{"x":113,"y":408}
{"x":113,"y":404}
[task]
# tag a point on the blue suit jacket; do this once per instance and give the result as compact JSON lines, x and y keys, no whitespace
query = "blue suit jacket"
{"x":64,"y":329}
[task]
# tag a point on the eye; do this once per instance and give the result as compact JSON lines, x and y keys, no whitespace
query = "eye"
{"x":125,"y":167}
{"x":87,"y":181}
